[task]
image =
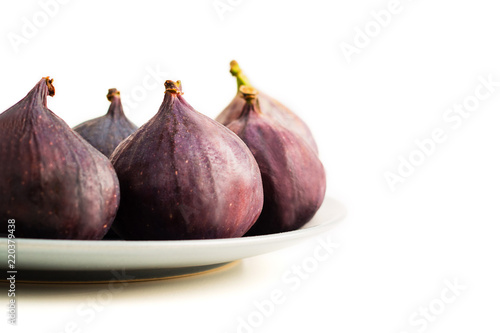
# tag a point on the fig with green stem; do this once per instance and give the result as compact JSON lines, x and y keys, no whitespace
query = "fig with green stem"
{"x":268,"y":105}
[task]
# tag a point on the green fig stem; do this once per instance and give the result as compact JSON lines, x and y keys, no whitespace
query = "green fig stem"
{"x":173,"y":87}
{"x":50,"y":86}
{"x":241,"y":79}
{"x":112,"y":92}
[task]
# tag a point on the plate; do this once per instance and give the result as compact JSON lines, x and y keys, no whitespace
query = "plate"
{"x":48,"y":260}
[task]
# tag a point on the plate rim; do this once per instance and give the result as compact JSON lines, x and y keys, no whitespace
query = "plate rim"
{"x":78,"y":249}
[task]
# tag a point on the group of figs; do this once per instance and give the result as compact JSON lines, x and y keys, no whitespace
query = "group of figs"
{"x":254,"y":170}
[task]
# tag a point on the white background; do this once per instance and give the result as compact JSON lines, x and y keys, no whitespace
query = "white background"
{"x":397,"y":248}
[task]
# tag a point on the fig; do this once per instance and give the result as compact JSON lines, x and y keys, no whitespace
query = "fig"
{"x":106,"y":132}
{"x":185,"y":176}
{"x":53,"y":183}
{"x":268,"y":105}
{"x":293,"y":177}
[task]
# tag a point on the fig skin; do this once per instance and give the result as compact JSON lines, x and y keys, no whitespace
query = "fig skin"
{"x":269,"y":106}
{"x":292,"y":175}
{"x":106,"y":132}
{"x":52,"y":182}
{"x":185,"y":176}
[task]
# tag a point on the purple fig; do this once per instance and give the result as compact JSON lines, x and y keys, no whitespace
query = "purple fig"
{"x":292,"y":175}
{"x":269,"y":106}
{"x":106,"y":132}
{"x":52,"y":182}
{"x":185,"y":176}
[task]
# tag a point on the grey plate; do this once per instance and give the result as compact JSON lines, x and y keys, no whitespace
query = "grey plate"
{"x":47,"y":260}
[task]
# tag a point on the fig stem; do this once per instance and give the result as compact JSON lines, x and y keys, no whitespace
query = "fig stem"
{"x":249,"y":93}
{"x":111,"y":93}
{"x":50,"y":86}
{"x":241,"y":79}
{"x":174,"y":87}
{"x":115,"y":108}
{"x":250,"y":96}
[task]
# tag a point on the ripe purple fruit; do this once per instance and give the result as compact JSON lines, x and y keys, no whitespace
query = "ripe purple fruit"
{"x":52,"y":182}
{"x":106,"y":132}
{"x":292,"y":175}
{"x":185,"y":176}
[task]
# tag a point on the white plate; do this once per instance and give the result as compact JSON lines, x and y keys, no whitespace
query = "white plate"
{"x":47,"y":260}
